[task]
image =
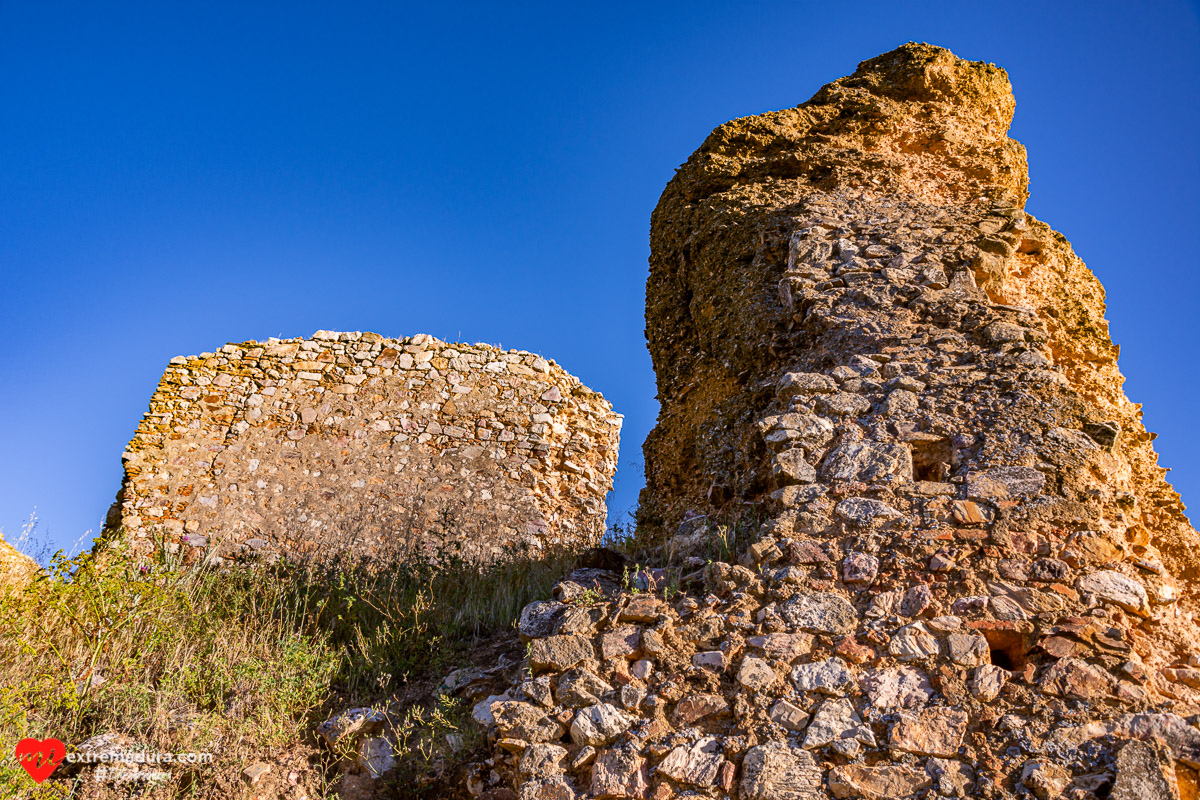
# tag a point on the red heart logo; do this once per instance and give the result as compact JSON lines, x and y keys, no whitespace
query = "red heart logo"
{"x":52,"y":752}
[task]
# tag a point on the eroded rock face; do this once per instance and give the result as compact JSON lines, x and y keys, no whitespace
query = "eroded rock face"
{"x":350,"y":442}
{"x":972,"y":579}
{"x":16,"y":568}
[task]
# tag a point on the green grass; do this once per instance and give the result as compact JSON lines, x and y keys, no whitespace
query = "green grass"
{"x":241,"y":662}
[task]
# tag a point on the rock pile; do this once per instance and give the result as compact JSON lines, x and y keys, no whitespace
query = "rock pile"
{"x":354,"y":443}
{"x":966,"y":575}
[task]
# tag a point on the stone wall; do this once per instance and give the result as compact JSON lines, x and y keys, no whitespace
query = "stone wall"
{"x":962,"y":573}
{"x":352,"y":442}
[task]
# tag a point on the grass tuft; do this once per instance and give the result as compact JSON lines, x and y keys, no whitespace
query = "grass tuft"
{"x":240,"y":662}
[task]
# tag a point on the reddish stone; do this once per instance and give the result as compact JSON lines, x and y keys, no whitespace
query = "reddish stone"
{"x":655,"y":729}
{"x":1073,"y":677}
{"x":933,"y":731}
{"x":726,"y":778}
{"x":968,"y":512}
{"x":783,"y":646}
{"x":623,"y":642}
{"x":806,"y":553}
{"x":1130,"y":692}
{"x":850,"y":649}
{"x":1065,"y":591}
{"x":642,"y":608}
{"x":621,"y":675}
{"x":620,"y":774}
{"x":698,"y":706}
{"x":1112,"y":643}
{"x":1015,"y":625}
{"x":1062,"y":647}
{"x":888,"y":780}
{"x":1024,"y":542}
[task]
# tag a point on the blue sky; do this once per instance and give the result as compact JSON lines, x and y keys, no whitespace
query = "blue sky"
{"x":175,"y":176}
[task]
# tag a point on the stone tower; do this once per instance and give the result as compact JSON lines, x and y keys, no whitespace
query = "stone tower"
{"x":963,"y":574}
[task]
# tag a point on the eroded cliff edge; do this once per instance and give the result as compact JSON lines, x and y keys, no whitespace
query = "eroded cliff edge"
{"x":963,"y":573}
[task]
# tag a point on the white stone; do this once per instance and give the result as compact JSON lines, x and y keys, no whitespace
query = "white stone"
{"x":599,"y":724}
{"x":1118,"y":589}
{"x":898,"y":687}
{"x":836,"y":719}
{"x":756,"y":674}
{"x":830,"y":676}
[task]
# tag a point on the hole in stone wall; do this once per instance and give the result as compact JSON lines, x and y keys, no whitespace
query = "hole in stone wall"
{"x":1001,"y":659}
{"x":719,"y":494}
{"x":1009,"y":649}
{"x":931,"y":460}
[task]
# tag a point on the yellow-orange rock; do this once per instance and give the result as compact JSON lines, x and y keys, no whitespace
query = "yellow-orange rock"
{"x":15,"y":566}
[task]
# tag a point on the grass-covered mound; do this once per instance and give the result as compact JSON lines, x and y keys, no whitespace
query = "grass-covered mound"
{"x":240,"y":662}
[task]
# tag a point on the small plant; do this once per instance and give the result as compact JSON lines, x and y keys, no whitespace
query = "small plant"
{"x":628,"y":578}
{"x":588,"y":597}
{"x":430,"y":741}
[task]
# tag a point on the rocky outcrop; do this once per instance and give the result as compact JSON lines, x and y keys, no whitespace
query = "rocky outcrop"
{"x":15,"y":567}
{"x":924,"y":544}
{"x":354,"y":443}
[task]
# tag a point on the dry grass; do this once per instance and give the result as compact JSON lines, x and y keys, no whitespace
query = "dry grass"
{"x":237,"y":662}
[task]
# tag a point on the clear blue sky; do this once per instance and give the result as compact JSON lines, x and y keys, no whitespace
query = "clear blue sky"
{"x":175,"y":176}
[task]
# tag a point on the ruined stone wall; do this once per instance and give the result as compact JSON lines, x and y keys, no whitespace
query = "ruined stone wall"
{"x":964,"y":573}
{"x":351,"y":442}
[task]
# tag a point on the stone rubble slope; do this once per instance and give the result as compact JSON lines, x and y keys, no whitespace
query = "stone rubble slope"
{"x":967,"y":575}
{"x":356,"y":443}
